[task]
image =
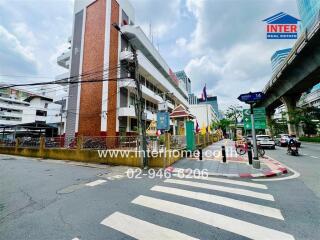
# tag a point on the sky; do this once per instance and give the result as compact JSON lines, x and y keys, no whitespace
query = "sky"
{"x":219,"y":43}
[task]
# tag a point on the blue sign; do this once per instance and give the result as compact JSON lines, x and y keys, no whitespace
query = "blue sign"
{"x":251,"y":97}
{"x":282,"y":26}
{"x":163,"y":121}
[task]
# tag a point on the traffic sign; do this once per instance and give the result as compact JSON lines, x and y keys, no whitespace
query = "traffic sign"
{"x":251,"y":97}
{"x":259,"y":115}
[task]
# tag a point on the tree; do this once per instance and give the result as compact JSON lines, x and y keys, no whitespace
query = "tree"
{"x":223,"y":124}
{"x":234,"y":113}
{"x":278,"y":126}
{"x":305,"y":116}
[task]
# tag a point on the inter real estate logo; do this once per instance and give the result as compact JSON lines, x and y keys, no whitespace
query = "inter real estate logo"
{"x":282,"y":26}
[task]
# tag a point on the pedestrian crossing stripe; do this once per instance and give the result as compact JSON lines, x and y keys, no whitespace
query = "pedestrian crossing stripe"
{"x":229,"y":224}
{"x":238,"y":191}
{"x":228,"y":202}
{"x":142,"y":230}
{"x":240,"y":183}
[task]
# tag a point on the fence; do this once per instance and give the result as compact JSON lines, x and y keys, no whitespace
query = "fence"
{"x":117,"y":142}
{"x":84,"y":149}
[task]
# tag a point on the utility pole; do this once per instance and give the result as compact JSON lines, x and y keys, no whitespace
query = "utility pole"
{"x":134,"y":72}
{"x":61,"y":117}
{"x":138,"y":107}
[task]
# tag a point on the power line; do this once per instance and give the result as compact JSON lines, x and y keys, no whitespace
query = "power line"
{"x":67,"y":80}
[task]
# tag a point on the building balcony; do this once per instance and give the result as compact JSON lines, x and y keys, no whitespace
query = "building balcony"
{"x":170,"y":105}
{"x":10,"y":114}
{"x":64,"y":59}
{"x":146,"y":92}
{"x":150,"y":95}
{"x":130,"y":112}
{"x":126,"y":55}
{"x":127,"y":112}
{"x":127,"y":83}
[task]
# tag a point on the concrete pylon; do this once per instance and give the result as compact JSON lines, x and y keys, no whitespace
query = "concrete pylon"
{"x":269,"y":114}
{"x":290,"y":103}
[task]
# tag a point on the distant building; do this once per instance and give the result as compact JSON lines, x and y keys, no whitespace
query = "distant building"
{"x":311,"y":99}
{"x":309,"y":12}
{"x":192,"y":99}
{"x":18,"y":106}
{"x":197,"y":104}
{"x":204,"y":113}
{"x":213,"y":101}
{"x":278,"y":57}
{"x":184,"y":80}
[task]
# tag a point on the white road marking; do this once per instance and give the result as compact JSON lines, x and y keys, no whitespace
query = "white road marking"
{"x":230,"y":224}
{"x":313,"y":156}
{"x":295,"y":175}
{"x":140,"y":229}
{"x":95,"y":183}
{"x":118,"y":176}
{"x":75,"y":239}
{"x":240,"y":183}
{"x":238,"y":191}
{"x":229,"y":202}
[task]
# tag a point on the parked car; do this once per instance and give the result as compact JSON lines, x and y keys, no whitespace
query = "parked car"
{"x":266,"y":141}
{"x":283,"y":139}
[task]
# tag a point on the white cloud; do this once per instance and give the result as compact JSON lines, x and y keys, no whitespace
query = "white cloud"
{"x":22,"y":31}
{"x":15,"y":57}
{"x":228,"y":48}
{"x":241,"y":68}
{"x":162,"y":15}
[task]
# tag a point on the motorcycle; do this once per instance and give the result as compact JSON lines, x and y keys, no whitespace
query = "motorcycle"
{"x":293,"y":150}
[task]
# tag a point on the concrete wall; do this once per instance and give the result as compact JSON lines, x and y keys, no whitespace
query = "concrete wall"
{"x":89,"y":156}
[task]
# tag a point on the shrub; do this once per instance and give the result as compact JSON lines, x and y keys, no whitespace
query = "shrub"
{"x":310,"y":139}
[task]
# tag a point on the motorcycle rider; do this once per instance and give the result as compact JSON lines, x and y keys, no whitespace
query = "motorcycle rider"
{"x":291,"y":142}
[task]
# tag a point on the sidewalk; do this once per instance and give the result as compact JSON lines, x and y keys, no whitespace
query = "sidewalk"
{"x":236,"y":166}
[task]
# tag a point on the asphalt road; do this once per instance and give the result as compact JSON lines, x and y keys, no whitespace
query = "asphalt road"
{"x":307,"y":164}
{"x":50,"y":200}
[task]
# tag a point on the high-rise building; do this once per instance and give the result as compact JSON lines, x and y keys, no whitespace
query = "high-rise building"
{"x":213,"y":101}
{"x":100,"y":52}
{"x":184,"y":80}
{"x":193,"y":99}
{"x":278,"y":57}
{"x":309,"y":12}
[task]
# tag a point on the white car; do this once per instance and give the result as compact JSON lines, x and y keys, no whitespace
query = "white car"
{"x":266,"y":141}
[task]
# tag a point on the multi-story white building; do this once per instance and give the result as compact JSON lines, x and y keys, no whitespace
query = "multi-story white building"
{"x":19,"y":107}
{"x":99,"y":51}
{"x":204,"y":113}
{"x":311,"y":99}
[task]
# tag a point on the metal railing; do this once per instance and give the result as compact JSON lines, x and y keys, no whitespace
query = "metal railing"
{"x":29,"y":142}
{"x":7,"y":143}
{"x":117,"y":142}
{"x":54,"y":142}
{"x":108,"y":143}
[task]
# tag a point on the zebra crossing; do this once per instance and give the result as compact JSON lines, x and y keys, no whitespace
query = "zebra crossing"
{"x":209,"y":191}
